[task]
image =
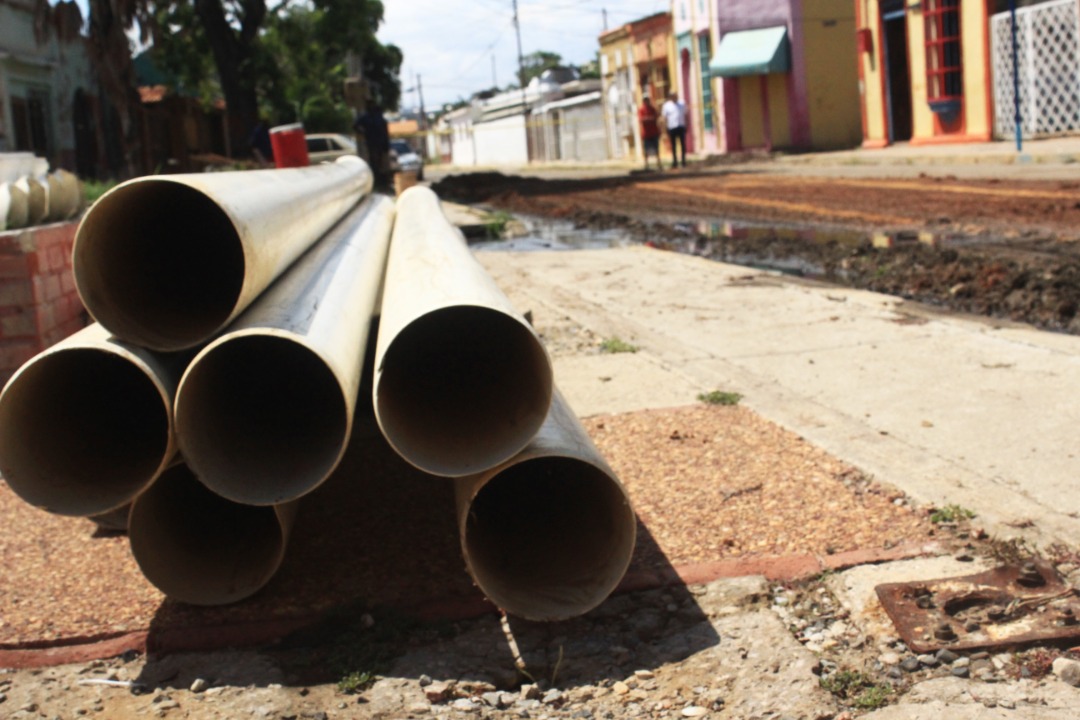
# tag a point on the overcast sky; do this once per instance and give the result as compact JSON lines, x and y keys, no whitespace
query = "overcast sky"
{"x":450,"y":43}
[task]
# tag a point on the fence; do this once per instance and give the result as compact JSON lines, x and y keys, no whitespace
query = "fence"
{"x":1048,"y":69}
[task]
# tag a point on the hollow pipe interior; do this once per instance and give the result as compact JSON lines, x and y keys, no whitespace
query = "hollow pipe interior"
{"x":159,"y":264}
{"x":261,"y":419}
{"x":200,"y":548}
{"x":82,"y":431}
{"x":462,"y":389}
{"x":549,"y":538}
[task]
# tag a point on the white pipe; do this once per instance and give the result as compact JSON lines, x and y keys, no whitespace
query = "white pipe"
{"x":37,"y":199}
{"x":18,"y":212}
{"x":549,"y":534}
{"x":462,"y":382}
{"x":264,"y":412}
{"x":87,"y":424}
{"x":168,"y":261}
{"x":198,"y":547}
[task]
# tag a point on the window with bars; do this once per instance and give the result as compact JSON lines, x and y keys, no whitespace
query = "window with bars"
{"x":944,"y":64}
{"x":704,"y":53}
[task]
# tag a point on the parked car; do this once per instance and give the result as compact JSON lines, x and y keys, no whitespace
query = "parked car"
{"x":327,"y":147}
{"x":404,"y":159}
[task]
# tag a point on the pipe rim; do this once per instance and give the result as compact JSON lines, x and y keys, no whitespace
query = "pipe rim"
{"x":200,"y":548}
{"x":159,"y":263}
{"x":548,"y":538}
{"x":465,"y":410}
{"x":258,"y":454}
{"x":119,"y":418}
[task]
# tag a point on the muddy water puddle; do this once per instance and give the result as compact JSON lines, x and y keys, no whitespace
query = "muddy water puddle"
{"x":755,"y":246}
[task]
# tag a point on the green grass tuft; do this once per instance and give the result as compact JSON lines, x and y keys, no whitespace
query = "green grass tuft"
{"x":720,"y":397}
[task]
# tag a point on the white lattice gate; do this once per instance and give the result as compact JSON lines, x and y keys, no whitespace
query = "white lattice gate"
{"x":1048,"y":60}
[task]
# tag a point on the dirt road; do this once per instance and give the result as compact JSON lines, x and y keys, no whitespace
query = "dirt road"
{"x":1006,"y":249}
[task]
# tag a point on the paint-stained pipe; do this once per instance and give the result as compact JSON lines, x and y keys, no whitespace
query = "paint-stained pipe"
{"x":264,"y":412}
{"x":549,"y":534}
{"x":18,"y":211}
{"x":462,"y":382}
{"x":87,"y":424}
{"x":198,"y":547}
{"x":167,"y":261}
{"x":37,"y":199}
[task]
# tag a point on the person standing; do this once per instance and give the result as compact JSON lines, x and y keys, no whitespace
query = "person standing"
{"x":650,"y":131}
{"x":674,"y":113}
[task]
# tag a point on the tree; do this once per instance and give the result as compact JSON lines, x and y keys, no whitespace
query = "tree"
{"x":535,"y":63}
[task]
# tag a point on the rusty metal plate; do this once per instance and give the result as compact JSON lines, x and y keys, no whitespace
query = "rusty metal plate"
{"x":1005,"y":607}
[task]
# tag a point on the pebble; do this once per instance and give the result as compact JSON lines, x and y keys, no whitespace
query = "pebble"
{"x":928,"y":660}
{"x":693,"y":711}
{"x":890,"y":658}
{"x":437,"y":692}
{"x":551,"y":697}
{"x":947,"y":656}
{"x":3,"y":697}
{"x":530,"y":691}
{"x":910,"y":663}
{"x":198,"y":685}
{"x":418,"y":709}
{"x":960,"y":671}
{"x":492,"y":699}
{"x":620,"y":688}
{"x":464,"y":705}
{"x":1067,"y":670}
{"x":644,"y":674}
{"x":425,"y":680}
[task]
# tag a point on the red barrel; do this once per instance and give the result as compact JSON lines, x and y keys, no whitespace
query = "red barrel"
{"x":290,"y":147}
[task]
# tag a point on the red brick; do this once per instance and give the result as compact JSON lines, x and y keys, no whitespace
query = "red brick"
{"x":46,"y":318}
{"x":50,"y":288}
{"x":16,"y":352}
{"x":16,"y":267}
{"x":67,"y":281}
{"x":19,"y":324}
{"x":16,"y":242}
{"x":55,"y":235}
{"x":17,"y":293}
{"x":56,"y":258}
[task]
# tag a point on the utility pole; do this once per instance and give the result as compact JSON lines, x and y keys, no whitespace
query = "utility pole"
{"x":420,"y":91}
{"x":494,"y":79}
{"x":604,"y":11}
{"x":521,"y":63}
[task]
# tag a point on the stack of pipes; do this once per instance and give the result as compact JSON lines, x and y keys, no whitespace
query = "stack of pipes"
{"x":219,"y":384}
{"x":30,"y":194}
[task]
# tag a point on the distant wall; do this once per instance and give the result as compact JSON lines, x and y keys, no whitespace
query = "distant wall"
{"x":39,"y":305}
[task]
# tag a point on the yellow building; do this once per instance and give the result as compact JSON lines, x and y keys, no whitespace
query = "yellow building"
{"x":924,"y":71}
{"x":635,"y":59}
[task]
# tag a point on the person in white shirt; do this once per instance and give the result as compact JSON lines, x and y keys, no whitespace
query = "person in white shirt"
{"x":674,"y":113}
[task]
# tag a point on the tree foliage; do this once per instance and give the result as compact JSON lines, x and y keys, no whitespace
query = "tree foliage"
{"x":285,"y":63}
{"x":535,"y":63}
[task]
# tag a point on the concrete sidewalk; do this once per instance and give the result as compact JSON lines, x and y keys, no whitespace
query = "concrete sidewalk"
{"x":950,"y":409}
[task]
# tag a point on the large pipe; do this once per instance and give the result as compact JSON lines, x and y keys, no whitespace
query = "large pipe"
{"x":200,"y":548}
{"x":264,"y":412}
{"x":18,"y":210}
{"x":549,"y":534}
{"x":167,"y":261}
{"x":462,"y":382}
{"x":87,"y":424}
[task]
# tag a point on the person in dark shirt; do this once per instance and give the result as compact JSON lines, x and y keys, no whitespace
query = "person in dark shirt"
{"x":377,"y":139}
{"x":259,"y":141}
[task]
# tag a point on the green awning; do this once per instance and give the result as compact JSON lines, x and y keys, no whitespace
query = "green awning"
{"x":752,"y":52}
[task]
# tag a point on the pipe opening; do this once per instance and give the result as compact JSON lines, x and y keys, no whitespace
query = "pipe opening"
{"x":159,"y":264}
{"x":82,"y":431}
{"x":462,"y":389}
{"x":200,"y":548}
{"x":549,"y":538}
{"x":261,"y":419}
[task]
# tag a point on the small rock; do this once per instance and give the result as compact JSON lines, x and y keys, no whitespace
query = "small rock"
{"x":424,"y":680}
{"x":418,"y":709}
{"x":910,"y":664}
{"x":367,"y":621}
{"x":1067,"y":670}
{"x":620,"y":688}
{"x":29,"y":707}
{"x":644,"y":674}
{"x":946,"y":656}
{"x":960,"y":671}
{"x":551,"y":697}
{"x":693,"y":711}
{"x":464,"y":705}
{"x":961,"y":662}
{"x":3,"y":697}
{"x":492,"y":699}
{"x":890,"y":658}
{"x":1006,"y":703}
{"x":928,"y":660}
{"x":437,"y":692}
{"x":198,"y":685}
{"x":530,"y":691}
